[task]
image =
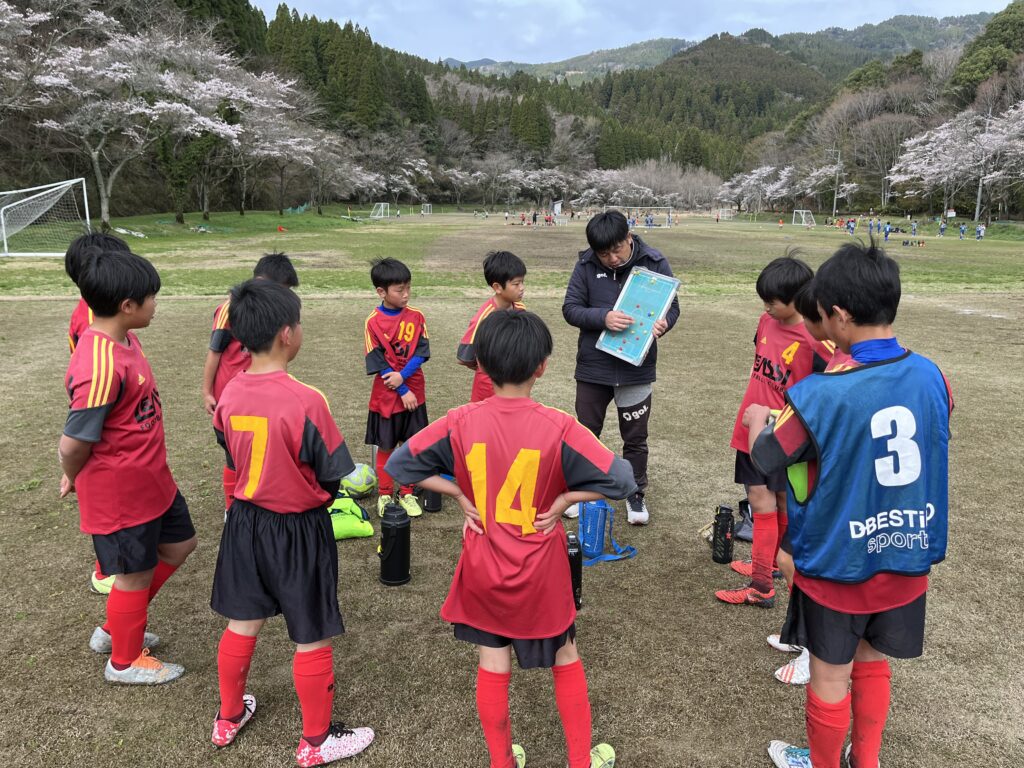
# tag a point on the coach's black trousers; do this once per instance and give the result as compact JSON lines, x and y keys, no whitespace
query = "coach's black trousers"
{"x":592,"y":403}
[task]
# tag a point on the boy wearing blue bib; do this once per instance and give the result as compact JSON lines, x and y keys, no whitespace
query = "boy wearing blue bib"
{"x":867,"y":454}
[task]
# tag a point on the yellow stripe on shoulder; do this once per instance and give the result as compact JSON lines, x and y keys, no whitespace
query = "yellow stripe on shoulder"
{"x":786,"y":415}
{"x":95,"y":372}
{"x":310,"y":386}
{"x":223,"y":312}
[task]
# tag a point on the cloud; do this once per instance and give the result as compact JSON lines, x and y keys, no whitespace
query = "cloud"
{"x":536,"y":31}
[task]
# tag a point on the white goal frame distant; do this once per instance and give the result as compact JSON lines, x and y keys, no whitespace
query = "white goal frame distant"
{"x":426,"y":209}
{"x":381,"y":211}
{"x":639,"y":211}
{"x":726,"y":213}
{"x":806,"y":218}
{"x":38,"y":194}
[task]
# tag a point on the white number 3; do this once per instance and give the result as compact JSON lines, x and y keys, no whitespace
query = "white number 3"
{"x":905,"y":467}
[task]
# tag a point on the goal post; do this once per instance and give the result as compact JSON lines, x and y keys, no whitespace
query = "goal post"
{"x":426,"y":209}
{"x":725,"y":214}
{"x":43,"y":220}
{"x":803,"y":218}
{"x":381,"y":211}
{"x":647,"y":215}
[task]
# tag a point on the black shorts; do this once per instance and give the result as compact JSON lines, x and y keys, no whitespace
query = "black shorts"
{"x":388,"y":433}
{"x":748,"y":474}
{"x":833,"y":636}
{"x":271,"y":563}
{"x":133,"y":550}
{"x":531,"y":654}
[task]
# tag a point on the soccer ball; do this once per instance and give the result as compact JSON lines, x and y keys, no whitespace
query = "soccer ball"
{"x":360,"y":482}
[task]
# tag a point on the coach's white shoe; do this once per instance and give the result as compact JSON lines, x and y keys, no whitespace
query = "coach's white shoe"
{"x":100,"y":641}
{"x":145,"y":670}
{"x":636,"y":510}
{"x":572,"y":512}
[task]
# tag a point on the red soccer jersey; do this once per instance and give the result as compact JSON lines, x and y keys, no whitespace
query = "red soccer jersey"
{"x":783,"y":354}
{"x":390,"y":341}
{"x":281,"y":441}
{"x":513,"y":457}
{"x":483,"y":387}
{"x":81,"y":319}
{"x":840,"y":361}
{"x":116,"y":407}
{"x":234,"y":358}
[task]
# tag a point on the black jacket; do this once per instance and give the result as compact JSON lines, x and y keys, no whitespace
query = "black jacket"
{"x":592,"y":292}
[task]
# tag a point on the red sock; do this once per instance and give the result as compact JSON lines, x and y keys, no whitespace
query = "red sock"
{"x":385,"y":485}
{"x":870,"y":708}
{"x":827,"y":725}
{"x":783,"y":521}
{"x":126,"y":623}
{"x":99,"y":571}
{"x":762,"y":552}
{"x":229,"y":479}
{"x":574,"y":709}
{"x":234,"y":654}
{"x":313,"y":672}
{"x":161,"y":574}
{"x":492,"y":706}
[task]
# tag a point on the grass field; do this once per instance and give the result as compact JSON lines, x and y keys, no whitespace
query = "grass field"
{"x":676,"y":679}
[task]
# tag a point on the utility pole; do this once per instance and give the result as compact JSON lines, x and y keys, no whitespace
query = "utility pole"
{"x":835,"y":191}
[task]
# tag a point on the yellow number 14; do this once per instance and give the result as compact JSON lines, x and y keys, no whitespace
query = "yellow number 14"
{"x":521,"y":478}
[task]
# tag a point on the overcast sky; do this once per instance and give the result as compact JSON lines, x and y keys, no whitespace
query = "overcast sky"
{"x":536,"y":31}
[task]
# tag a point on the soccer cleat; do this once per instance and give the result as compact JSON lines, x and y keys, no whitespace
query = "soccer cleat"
{"x":100,"y":641}
{"x":797,"y":671}
{"x":145,"y":670}
{"x":602,"y":756}
{"x":411,"y":505}
{"x":382,"y":502}
{"x":744,"y":530}
{"x":775,"y":641}
{"x":636,"y":510}
{"x":340,"y":742}
{"x":519,"y":755}
{"x":224,"y":731}
{"x":747,"y":596}
{"x":746,"y":568}
{"x":100,"y":586}
{"x":572,"y":512}
{"x":788,"y":756}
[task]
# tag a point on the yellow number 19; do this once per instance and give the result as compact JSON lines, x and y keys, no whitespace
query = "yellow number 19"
{"x":257,"y":451}
{"x":521,"y":478}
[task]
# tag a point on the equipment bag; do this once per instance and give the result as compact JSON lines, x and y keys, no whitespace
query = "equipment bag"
{"x":595,"y":518}
{"x":349,"y":520}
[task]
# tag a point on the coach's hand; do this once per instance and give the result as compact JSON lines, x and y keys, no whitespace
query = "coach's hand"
{"x":617,"y":321}
{"x":659,"y":328}
{"x":409,"y":401}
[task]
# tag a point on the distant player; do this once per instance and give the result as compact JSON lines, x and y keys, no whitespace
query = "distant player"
{"x":963,"y":229}
{"x":942,"y":228}
{"x":521,"y":465}
{"x":887,"y":230}
{"x":277,"y":552}
{"x":226,"y":357}
{"x":81,"y":319}
{"x":505,"y":273}
{"x":396,"y":347}
{"x":784,"y":353}
{"x":871,"y":521}
{"x":113,"y":455}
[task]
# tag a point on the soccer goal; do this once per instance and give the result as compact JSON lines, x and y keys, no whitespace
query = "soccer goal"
{"x":803,"y":218}
{"x":381,"y":211}
{"x":647,"y":216}
{"x":725,"y":213}
{"x":43,"y":220}
{"x":426,"y":209}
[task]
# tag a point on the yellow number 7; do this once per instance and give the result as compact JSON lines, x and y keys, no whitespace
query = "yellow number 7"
{"x":521,"y":477}
{"x":257,"y":451}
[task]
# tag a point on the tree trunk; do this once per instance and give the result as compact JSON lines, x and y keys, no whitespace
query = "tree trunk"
{"x":101,"y":187}
{"x":977,"y":201}
{"x":205,"y":194}
{"x":280,"y":191}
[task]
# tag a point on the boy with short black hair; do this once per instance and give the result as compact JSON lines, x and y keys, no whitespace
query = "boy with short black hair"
{"x":512,"y":587}
{"x":114,"y":456}
{"x":784,"y":353}
{"x":81,"y":319}
{"x":226,"y":357}
{"x":396,"y":347}
{"x":277,"y":551}
{"x":504,"y":273}
{"x":874,"y":437}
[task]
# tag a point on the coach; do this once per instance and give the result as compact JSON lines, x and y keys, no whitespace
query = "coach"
{"x":599,"y":275}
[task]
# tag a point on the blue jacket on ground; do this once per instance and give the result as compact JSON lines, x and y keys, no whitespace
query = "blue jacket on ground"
{"x":592,"y":292}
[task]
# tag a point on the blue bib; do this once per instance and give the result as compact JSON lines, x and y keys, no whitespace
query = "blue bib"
{"x":881,"y":500}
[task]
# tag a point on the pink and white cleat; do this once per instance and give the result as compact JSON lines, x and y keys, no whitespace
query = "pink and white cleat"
{"x":340,"y":742}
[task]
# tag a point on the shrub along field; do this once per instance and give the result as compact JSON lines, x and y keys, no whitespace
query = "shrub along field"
{"x":676,"y":679}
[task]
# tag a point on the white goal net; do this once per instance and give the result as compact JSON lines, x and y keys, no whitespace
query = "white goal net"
{"x":426,"y":209}
{"x":43,"y":220}
{"x":381,"y":211}
{"x":803,"y":218}
{"x":725,"y":213}
{"x":647,"y":216}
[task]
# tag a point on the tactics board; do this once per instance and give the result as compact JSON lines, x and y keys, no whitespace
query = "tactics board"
{"x":645,"y":297}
